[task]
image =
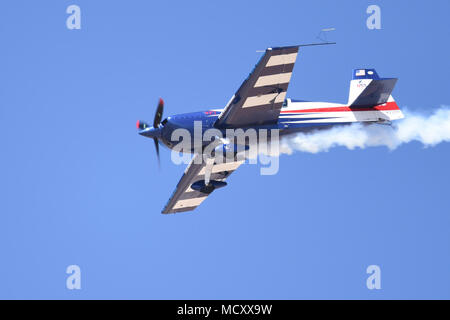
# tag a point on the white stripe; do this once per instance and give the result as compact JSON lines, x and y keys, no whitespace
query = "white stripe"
{"x":226,"y":166}
{"x":281,"y":59}
{"x":273,"y":79}
{"x":264,"y":99}
{"x":347,"y":116}
{"x":189,"y":202}
{"x":301,"y":116}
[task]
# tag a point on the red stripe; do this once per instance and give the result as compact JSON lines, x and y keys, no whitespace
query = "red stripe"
{"x":388,"y":106}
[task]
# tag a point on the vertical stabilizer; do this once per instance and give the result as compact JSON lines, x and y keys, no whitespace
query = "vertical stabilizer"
{"x":367,"y":89}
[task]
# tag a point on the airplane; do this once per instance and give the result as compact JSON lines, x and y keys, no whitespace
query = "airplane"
{"x":261,"y":103}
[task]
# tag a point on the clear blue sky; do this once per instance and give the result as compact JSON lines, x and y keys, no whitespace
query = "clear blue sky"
{"x":79,"y":186}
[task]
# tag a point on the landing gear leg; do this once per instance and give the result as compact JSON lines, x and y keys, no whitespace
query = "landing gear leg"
{"x":208,"y":170}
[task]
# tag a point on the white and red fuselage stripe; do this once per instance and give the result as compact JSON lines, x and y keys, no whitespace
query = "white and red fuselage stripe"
{"x":331,"y":113}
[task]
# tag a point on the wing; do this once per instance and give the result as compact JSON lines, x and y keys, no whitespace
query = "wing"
{"x":184,"y":197}
{"x":260,"y":97}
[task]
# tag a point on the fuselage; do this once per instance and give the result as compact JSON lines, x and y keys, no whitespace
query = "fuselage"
{"x":295,"y":116}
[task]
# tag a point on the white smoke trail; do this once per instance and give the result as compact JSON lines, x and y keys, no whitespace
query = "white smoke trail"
{"x":429,"y":130}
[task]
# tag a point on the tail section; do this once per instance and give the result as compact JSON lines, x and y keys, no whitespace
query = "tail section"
{"x":367,"y":89}
{"x":393,"y":112}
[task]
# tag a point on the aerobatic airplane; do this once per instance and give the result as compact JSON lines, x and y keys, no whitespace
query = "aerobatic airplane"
{"x":261,"y":103}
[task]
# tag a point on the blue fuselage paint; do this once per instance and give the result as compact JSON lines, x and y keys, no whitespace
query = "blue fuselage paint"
{"x":186,"y":121}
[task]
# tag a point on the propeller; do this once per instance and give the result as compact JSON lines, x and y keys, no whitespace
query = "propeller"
{"x":155,"y":131}
{"x":156,"y":122}
{"x":159,"y":113}
{"x":157,"y":151}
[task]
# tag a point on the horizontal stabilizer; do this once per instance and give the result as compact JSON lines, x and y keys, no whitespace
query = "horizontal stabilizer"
{"x":377,"y":92}
{"x":368,"y":90}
